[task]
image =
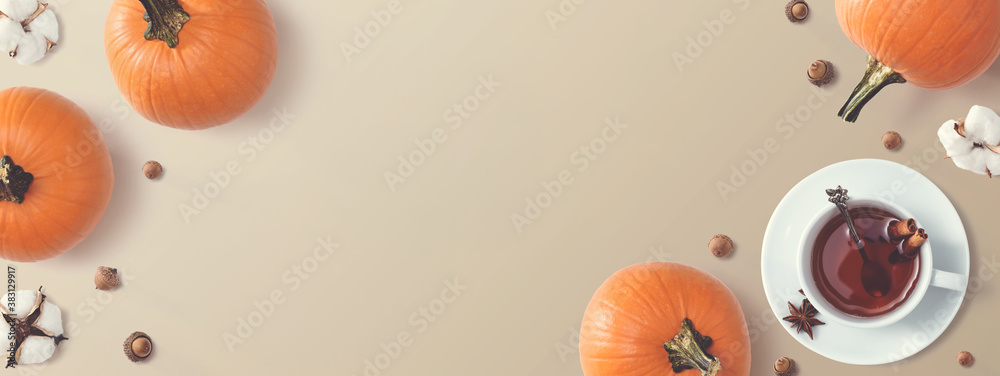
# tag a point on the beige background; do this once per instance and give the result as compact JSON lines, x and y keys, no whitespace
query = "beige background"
{"x":651,"y":195}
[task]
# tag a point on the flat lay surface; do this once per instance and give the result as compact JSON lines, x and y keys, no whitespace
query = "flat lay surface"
{"x":439,"y":188}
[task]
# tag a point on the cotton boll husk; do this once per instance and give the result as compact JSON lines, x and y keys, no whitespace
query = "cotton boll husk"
{"x":24,"y":300}
{"x":36,"y":349}
{"x":954,"y":144}
{"x":31,"y":48}
{"x":46,"y":25}
{"x":975,"y":161}
{"x":983,"y":125}
{"x":19,"y":10}
{"x":11,"y":34}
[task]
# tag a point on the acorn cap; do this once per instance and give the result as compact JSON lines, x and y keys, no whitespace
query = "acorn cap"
{"x":820,"y":72}
{"x":152,"y":169}
{"x":796,"y":12}
{"x":138,"y":346}
{"x":106,"y":278}
{"x":891,"y":140}
{"x":720,"y":245}
{"x":789,"y":370}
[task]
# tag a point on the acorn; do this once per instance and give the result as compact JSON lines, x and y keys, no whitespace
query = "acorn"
{"x":152,"y":169}
{"x":820,"y":72}
{"x":965,"y":358}
{"x":891,"y":140}
{"x":138,"y":346}
{"x":784,"y":367}
{"x":720,"y":245}
{"x":106,"y":278}
{"x":797,"y":10}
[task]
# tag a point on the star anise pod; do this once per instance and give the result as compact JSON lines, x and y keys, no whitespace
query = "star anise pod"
{"x":802,"y":317}
{"x":24,"y":328}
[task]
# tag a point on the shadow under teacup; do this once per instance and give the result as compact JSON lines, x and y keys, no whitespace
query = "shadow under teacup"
{"x":817,"y":287}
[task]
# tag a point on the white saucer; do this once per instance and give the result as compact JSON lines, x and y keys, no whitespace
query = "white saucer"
{"x":915,"y":193}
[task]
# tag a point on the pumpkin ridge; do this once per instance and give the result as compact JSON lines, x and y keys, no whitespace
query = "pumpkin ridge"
{"x":256,"y":46}
{"x":896,"y":60}
{"x":864,"y":18}
{"x":951,"y":58}
{"x":182,"y":69}
{"x":947,"y":64}
{"x":647,"y":300}
{"x":33,"y":154}
{"x":614,"y":307}
{"x":992,"y":54}
{"x":890,"y":27}
{"x":663,"y":286}
{"x":36,"y":236}
{"x":237,"y":71}
{"x":150,"y":93}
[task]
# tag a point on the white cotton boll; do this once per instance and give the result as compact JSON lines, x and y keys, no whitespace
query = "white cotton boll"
{"x":983,"y":125}
{"x":31,"y":49}
{"x":46,"y":25}
{"x":19,"y":10}
{"x":36,"y":349}
{"x":954,"y":143}
{"x":993,"y":163}
{"x":975,"y":161}
{"x":24,"y":300}
{"x":10,"y":35}
{"x":50,"y":319}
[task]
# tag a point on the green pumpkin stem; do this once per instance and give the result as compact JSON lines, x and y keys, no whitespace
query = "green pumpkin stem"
{"x":14,"y":181}
{"x":166,"y":18}
{"x":688,"y":350}
{"x":877,"y":76}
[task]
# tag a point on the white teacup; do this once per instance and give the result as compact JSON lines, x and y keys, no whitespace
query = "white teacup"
{"x":927,"y":275}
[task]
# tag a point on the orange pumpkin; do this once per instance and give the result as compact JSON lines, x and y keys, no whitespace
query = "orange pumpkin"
{"x":55,"y":174}
{"x":934,"y":44}
{"x":191,"y":64}
{"x":662,"y":318}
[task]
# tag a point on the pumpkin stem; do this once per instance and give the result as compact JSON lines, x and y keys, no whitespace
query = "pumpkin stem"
{"x":166,"y":18}
{"x":14,"y":181}
{"x":687,"y":350}
{"x":877,"y":76}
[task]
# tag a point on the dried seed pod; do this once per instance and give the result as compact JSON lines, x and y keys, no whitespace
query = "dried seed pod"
{"x":106,"y":278}
{"x":152,"y":169}
{"x":720,"y":245}
{"x":965,"y":358}
{"x":784,"y":366}
{"x":891,"y":140}
{"x":820,"y":72}
{"x":797,"y":10}
{"x":138,"y":346}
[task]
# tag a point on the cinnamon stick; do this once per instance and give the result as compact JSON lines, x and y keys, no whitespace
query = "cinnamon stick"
{"x":912,"y":244}
{"x":898,"y":230}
